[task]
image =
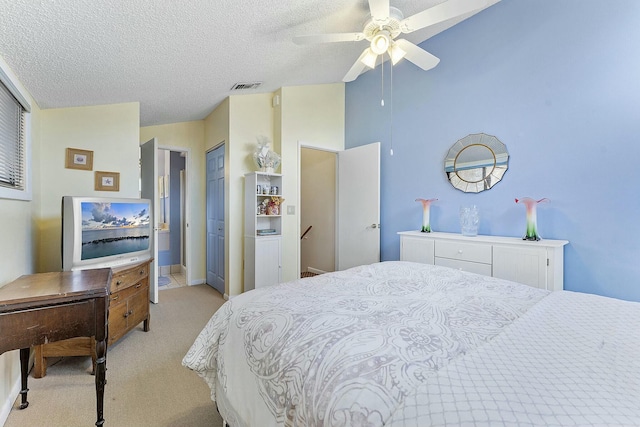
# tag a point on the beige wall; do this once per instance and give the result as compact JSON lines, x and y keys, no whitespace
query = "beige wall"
{"x":188,"y":136}
{"x":250,"y":116}
{"x":112,"y":133}
{"x":312,"y":116}
{"x":18,"y":250}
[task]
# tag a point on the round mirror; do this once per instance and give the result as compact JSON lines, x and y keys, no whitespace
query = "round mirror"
{"x":476,"y":162}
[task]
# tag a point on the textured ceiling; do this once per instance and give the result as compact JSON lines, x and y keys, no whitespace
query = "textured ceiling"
{"x":179,"y":59}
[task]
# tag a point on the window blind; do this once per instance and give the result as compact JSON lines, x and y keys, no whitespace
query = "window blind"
{"x":12,"y":144}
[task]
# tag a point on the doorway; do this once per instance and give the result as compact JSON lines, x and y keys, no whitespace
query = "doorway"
{"x":352,"y":208}
{"x":172,"y":264}
{"x":317,"y":211}
{"x":152,"y":186}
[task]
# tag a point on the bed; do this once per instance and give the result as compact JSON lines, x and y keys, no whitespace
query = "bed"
{"x":404,"y":344}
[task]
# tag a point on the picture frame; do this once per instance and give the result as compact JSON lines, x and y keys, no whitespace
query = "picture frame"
{"x":107,"y":181}
{"x":79,"y":159}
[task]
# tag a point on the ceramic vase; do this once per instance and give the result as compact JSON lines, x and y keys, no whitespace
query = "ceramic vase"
{"x":532,"y":219}
{"x":426,"y":205}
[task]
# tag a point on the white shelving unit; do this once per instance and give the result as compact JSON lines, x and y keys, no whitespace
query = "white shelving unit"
{"x":262,"y":231}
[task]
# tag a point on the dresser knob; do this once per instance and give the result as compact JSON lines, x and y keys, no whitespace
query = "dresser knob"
{"x":118,"y":283}
{"x":141,"y":272}
{"x":459,"y":251}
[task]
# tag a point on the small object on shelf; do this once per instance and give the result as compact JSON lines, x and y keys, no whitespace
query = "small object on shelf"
{"x":532,"y":220}
{"x":469,"y":220}
{"x":273,"y":205}
{"x":265,"y":159}
{"x":426,"y":205}
{"x":274,"y":190}
{"x":266,"y":232}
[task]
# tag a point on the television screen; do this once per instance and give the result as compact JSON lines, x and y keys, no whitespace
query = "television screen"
{"x":114,"y":228}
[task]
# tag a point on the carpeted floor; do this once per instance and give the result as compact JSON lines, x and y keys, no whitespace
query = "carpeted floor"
{"x":146,"y":382}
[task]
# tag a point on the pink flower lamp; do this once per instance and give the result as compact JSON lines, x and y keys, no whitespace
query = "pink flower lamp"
{"x":426,"y":204}
{"x":532,"y":221}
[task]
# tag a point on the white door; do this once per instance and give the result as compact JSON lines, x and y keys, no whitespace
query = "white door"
{"x":149,"y":190}
{"x":359,"y":206}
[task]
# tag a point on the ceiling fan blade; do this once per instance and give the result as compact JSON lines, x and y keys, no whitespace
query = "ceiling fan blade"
{"x":328,"y":38}
{"x":379,"y":9}
{"x":417,"y":55}
{"x":356,"y":69}
{"x":440,"y":13}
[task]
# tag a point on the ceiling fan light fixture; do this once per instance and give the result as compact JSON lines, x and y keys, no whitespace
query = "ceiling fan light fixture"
{"x":369,"y":58}
{"x":396,"y":53}
{"x":380,"y":42}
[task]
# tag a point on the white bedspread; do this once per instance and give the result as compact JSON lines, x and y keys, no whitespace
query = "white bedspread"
{"x":572,"y":360}
{"x":347,"y":348}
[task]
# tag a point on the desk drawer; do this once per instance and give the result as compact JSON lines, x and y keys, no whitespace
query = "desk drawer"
{"x":124,"y":279}
{"x":26,"y":328}
{"x":462,"y":251}
{"x":471,"y":267}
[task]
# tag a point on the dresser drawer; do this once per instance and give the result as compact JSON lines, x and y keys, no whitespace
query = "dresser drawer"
{"x":471,"y":267}
{"x":122,"y":279}
{"x":463,"y":251}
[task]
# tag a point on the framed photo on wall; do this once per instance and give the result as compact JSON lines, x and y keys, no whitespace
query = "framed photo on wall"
{"x":107,"y":181}
{"x":79,"y":159}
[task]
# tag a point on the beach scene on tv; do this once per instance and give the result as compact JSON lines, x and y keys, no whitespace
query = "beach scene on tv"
{"x":114,"y":229}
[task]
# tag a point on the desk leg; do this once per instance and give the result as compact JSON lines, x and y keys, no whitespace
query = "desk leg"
{"x":24,"y":371}
{"x":101,"y":367}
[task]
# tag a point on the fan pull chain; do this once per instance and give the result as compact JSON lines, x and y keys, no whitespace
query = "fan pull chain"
{"x":382,"y":83}
{"x":391,"y":107}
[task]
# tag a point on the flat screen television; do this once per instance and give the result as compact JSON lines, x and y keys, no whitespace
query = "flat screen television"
{"x":99,"y":232}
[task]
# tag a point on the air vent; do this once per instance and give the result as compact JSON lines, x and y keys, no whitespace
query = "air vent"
{"x":244,"y":86}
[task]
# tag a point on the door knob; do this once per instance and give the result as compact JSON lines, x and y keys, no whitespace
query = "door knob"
{"x":375,"y":225}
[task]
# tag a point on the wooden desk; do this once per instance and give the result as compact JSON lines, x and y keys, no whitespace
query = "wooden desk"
{"x":40,"y":308}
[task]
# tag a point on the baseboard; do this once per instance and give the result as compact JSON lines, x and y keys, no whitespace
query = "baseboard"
{"x":315,"y":270}
{"x":8,"y":403}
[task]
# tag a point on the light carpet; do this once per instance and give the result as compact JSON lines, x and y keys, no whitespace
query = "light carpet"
{"x":146,"y":382}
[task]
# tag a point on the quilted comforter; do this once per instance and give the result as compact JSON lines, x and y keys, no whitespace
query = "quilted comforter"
{"x":405,"y":344}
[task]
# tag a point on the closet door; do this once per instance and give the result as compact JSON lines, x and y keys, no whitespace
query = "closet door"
{"x":215,"y":219}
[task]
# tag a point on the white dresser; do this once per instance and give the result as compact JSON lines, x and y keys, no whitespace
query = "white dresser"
{"x":539,"y":264}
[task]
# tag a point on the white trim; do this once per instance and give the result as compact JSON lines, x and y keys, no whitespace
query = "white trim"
{"x":187,"y":209}
{"x":301,"y":145}
{"x":5,"y":409}
{"x":12,"y":83}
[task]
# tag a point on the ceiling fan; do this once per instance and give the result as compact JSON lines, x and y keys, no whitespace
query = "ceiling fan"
{"x":385,"y":23}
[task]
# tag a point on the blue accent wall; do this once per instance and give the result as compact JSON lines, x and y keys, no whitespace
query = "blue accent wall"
{"x":557,"y":81}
